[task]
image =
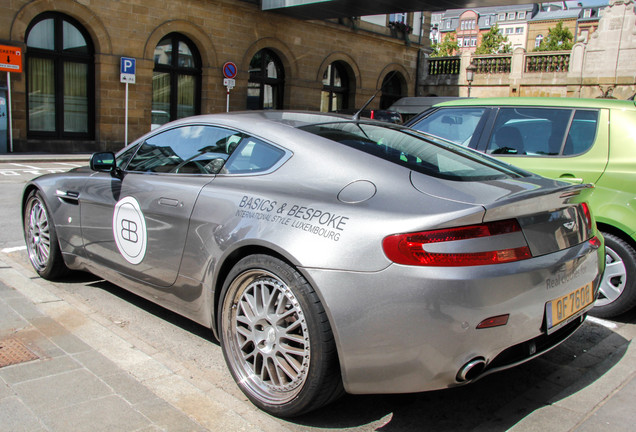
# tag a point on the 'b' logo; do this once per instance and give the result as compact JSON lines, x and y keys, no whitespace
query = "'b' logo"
{"x":129,"y":231}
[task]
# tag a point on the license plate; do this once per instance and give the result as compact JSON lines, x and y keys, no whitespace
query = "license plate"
{"x":562,"y":308}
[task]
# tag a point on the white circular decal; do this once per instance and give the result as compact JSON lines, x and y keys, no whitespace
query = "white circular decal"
{"x":129,"y":227}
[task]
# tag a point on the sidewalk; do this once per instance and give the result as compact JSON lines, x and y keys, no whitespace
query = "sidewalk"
{"x":64,"y":367}
{"x":43,"y":157}
{"x":50,"y":380}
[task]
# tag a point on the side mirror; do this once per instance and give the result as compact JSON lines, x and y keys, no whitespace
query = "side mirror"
{"x":104,"y":161}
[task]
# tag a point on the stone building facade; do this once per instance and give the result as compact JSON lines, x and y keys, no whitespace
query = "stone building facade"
{"x":180,"y":49}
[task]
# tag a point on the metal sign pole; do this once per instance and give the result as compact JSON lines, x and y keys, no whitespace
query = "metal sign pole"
{"x":9,"y":112}
{"x":227,"y":104}
{"x":126,"y":120}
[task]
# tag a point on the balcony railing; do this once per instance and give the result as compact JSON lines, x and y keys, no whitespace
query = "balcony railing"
{"x":493,"y":64}
{"x":444,"y":66}
{"x":547,"y":62}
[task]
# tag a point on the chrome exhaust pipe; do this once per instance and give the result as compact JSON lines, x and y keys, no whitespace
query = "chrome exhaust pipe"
{"x":471,"y":370}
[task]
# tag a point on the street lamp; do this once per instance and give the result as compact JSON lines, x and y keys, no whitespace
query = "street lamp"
{"x":470,"y":75}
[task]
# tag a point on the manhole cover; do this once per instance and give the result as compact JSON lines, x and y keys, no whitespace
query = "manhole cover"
{"x":12,"y":351}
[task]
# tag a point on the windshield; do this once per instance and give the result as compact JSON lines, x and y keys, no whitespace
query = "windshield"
{"x":412,"y":150}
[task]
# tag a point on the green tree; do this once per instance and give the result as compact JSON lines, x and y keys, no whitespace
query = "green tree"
{"x":447,"y":47}
{"x":559,"y":38}
{"x":493,"y":42}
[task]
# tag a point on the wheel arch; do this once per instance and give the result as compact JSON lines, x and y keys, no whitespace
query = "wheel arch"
{"x":230,"y":261}
{"x":28,"y":189}
{"x":611,"y":229}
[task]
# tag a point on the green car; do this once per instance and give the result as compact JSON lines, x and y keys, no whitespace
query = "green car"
{"x":576,"y":140}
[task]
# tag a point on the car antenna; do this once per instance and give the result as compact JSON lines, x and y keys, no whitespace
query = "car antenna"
{"x":356,"y":116}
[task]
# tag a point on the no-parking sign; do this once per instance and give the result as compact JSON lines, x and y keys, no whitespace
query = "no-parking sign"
{"x":229,"y":70}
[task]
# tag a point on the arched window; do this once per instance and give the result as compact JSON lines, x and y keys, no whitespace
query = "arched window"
{"x":176,"y":80}
{"x":335,"y":88}
{"x":60,"y":78}
{"x":392,"y":89}
{"x":267,"y":81}
{"x":537,"y":40}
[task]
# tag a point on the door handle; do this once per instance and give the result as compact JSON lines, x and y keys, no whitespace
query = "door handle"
{"x":170,"y":202}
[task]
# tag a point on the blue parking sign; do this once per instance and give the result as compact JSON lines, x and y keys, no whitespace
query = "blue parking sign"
{"x":127,"y":65}
{"x":127,"y":70}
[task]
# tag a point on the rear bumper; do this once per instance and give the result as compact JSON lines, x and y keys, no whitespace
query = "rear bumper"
{"x":410,"y":329}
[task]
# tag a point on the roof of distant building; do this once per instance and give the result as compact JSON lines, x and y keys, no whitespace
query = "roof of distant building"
{"x":556,"y":15}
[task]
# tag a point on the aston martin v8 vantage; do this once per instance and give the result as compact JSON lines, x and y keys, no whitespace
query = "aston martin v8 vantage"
{"x":328,"y":255}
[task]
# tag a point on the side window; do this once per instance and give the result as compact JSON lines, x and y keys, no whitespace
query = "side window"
{"x":529,"y":131}
{"x":582,"y":132}
{"x":253,"y":155}
{"x":123,"y":158}
{"x":186,"y":150}
{"x":453,"y":124}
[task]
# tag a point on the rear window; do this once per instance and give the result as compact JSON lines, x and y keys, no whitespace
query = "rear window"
{"x":412,"y":150}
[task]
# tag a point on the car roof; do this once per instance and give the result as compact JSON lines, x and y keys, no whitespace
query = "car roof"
{"x":544,"y":101}
{"x":290,"y":118}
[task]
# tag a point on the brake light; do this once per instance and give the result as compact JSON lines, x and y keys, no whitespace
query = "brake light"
{"x":411,"y":248}
{"x":372,"y":114}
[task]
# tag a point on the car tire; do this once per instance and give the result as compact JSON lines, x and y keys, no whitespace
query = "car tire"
{"x":276,"y":338}
{"x":40,"y":235}
{"x":618,"y":286}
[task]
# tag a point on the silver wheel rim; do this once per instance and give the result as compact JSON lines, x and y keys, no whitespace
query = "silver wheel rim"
{"x":614,"y":278}
{"x":38,"y":236}
{"x":267,"y":337}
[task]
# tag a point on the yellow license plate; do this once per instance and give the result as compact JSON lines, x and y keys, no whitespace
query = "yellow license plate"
{"x":562,"y":308}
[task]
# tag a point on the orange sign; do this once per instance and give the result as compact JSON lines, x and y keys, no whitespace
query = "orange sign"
{"x":10,"y":59}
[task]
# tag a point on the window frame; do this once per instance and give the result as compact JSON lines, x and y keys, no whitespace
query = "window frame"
{"x":332,"y":89}
{"x":174,"y":71}
{"x":60,"y":57}
{"x":125,"y":156}
{"x":262,"y":79}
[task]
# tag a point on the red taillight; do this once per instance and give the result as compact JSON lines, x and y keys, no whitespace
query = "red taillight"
{"x":410,"y":249}
{"x":372,"y":114}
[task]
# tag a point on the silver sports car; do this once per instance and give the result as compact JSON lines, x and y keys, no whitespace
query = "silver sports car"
{"x":328,"y":255}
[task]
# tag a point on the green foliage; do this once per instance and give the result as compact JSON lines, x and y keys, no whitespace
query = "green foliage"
{"x":493,"y":42}
{"x":447,"y":47}
{"x":559,"y":38}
